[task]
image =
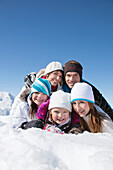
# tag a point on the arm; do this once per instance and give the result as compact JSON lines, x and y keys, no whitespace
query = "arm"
{"x":42,"y":110}
{"x":19,"y":112}
{"x":101,"y":101}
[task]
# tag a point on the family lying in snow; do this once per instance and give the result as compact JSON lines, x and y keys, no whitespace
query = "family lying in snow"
{"x":57,"y":99}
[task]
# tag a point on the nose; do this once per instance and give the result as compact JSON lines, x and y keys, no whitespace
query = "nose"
{"x":58,"y":78}
{"x":72,"y":78}
{"x":40,"y":95}
{"x":77,"y":107}
{"x":60,"y":115}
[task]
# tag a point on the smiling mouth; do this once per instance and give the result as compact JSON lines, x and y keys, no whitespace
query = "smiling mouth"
{"x":60,"y":120}
{"x":72,"y":84}
{"x":39,"y":100}
{"x":80,"y":112}
{"x":54,"y":81}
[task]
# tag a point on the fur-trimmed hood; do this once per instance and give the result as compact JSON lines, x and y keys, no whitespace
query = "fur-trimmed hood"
{"x":24,"y":94}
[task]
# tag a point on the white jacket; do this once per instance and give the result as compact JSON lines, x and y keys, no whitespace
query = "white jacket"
{"x":20,"y":109}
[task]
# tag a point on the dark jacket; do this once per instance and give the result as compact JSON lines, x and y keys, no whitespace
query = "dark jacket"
{"x":99,"y":99}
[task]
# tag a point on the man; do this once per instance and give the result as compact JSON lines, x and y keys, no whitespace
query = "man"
{"x":73,"y":74}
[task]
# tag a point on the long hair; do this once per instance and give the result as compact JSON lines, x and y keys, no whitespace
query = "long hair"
{"x":95,"y":120}
{"x":33,"y":110}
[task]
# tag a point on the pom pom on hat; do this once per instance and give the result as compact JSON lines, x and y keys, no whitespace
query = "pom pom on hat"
{"x":41,"y":85}
{"x":82,"y":91}
{"x":60,"y":99}
{"x":53,"y":66}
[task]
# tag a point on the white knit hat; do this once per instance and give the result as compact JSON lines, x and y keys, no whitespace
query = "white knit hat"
{"x":82,"y":91}
{"x":53,"y":66}
{"x":60,"y":99}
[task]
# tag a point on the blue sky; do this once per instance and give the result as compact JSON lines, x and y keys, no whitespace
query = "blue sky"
{"x":36,"y":32}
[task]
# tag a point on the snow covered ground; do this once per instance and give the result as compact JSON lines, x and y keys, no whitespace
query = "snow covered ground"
{"x":6,"y":101}
{"x":35,"y":149}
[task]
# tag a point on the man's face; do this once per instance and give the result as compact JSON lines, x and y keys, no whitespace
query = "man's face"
{"x":71,"y":78}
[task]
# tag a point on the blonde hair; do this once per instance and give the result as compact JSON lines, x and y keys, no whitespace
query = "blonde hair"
{"x":95,"y":120}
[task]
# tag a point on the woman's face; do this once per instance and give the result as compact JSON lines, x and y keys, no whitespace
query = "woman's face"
{"x":39,"y":98}
{"x":55,"y":77}
{"x":81,"y":107}
{"x":59,"y":115}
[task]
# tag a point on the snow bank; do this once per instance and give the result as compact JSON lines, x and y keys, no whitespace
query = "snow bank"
{"x":35,"y":149}
{"x":6,"y":101}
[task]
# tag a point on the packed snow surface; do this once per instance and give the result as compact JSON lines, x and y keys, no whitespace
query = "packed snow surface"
{"x":36,"y":149}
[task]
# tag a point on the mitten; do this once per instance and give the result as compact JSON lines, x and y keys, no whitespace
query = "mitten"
{"x":34,"y":123}
{"x":53,"y":129}
{"x":23,"y":125}
{"x":42,"y":110}
{"x":75,"y":130}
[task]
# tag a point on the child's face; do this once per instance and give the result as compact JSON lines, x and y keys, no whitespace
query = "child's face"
{"x":39,"y":98}
{"x":59,"y":115}
{"x":55,"y":77}
{"x":81,"y":107}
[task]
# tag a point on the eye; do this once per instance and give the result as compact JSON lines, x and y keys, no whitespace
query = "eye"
{"x":82,"y":102}
{"x":68,"y":75}
{"x":55,"y":73}
{"x":60,"y":77}
{"x":56,"y":112}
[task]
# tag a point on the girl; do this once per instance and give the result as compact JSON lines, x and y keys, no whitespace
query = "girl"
{"x":92,"y":117}
{"x":53,"y":73}
{"x":60,"y":113}
{"x":25,"y":106}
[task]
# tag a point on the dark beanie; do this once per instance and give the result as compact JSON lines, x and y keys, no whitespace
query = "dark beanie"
{"x":73,"y":67}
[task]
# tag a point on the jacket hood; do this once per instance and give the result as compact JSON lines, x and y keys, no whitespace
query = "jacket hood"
{"x":24,"y":94}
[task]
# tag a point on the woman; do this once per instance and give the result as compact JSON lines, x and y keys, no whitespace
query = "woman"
{"x":25,"y":106}
{"x":92,"y":117}
{"x":54,"y":73}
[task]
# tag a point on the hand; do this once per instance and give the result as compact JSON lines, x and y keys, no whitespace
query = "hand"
{"x":75,"y":130}
{"x":52,"y":129}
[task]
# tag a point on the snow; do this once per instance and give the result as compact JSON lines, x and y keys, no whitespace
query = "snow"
{"x":6,"y":100}
{"x":35,"y":149}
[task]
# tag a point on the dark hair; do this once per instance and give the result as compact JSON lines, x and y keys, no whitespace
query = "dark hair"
{"x":33,"y":110}
{"x":73,"y":62}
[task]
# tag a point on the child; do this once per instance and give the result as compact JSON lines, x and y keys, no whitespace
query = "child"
{"x":59,"y":116}
{"x":92,"y":117}
{"x":25,"y":106}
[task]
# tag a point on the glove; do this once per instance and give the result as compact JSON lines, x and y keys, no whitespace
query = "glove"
{"x":53,"y":129}
{"x":34,"y":123}
{"x":75,"y":131}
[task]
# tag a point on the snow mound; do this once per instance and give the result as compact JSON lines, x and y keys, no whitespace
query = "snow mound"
{"x":36,"y":149}
{"x":6,"y":101}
